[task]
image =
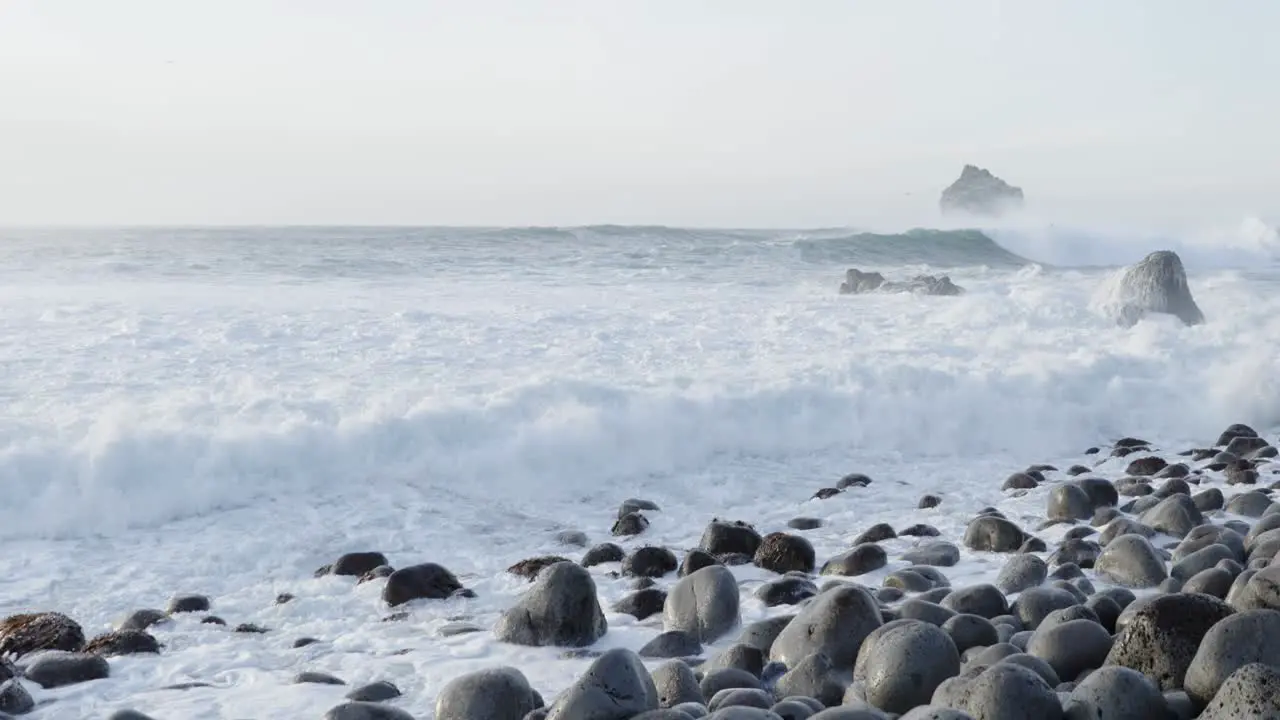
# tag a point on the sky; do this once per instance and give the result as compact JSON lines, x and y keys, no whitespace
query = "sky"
{"x":680,"y":112}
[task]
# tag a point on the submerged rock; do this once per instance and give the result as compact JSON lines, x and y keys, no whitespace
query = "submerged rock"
{"x":979,"y":192}
{"x":857,"y":282}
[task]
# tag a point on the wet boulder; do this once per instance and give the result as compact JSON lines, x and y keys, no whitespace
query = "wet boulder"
{"x":860,"y":560}
{"x":56,"y":668}
{"x":901,"y":664}
{"x":427,"y":581}
{"x":783,"y":553}
{"x":1252,"y":691}
{"x":834,"y":623}
{"x":23,"y":634}
{"x":1244,"y":638}
{"x":723,"y":537}
{"x":1131,"y":561}
{"x":993,"y":534}
{"x":561,"y":609}
{"x":616,"y":686}
{"x":704,"y":604}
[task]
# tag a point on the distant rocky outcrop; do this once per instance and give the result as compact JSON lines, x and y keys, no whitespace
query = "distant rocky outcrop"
{"x":978,"y":192}
{"x":1157,"y":284}
{"x":857,"y":282}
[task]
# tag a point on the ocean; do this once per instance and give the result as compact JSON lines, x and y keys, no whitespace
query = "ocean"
{"x":223,"y":410}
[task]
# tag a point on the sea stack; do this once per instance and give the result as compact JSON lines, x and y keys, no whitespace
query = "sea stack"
{"x":978,"y":192}
{"x":1157,"y":284}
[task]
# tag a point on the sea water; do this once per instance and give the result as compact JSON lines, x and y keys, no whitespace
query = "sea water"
{"x":221,"y":411}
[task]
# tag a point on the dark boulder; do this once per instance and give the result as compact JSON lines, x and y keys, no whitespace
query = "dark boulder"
{"x":426,"y":581}
{"x":561,"y":609}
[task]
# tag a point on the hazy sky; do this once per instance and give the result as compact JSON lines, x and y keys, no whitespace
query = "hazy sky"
{"x":712,"y":112}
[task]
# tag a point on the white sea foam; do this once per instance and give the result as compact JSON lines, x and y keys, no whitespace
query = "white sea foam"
{"x":221,"y":412}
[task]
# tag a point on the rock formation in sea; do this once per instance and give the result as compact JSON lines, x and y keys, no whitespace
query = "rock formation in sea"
{"x":857,"y":282}
{"x":1157,"y":284}
{"x":978,"y":192}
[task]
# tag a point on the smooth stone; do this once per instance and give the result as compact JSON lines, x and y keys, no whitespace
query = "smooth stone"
{"x":705,"y":604}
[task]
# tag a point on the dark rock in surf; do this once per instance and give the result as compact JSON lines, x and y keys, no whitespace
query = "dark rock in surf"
{"x":993,"y":534}
{"x":979,"y":192}
{"x":783,"y":553}
{"x":1157,"y":284}
{"x":860,"y":560}
{"x":650,"y":561}
{"x":704,"y":604}
{"x":603,"y":553}
{"x":857,"y":282}
{"x":427,"y":581}
{"x":27,"y":633}
{"x":356,"y":564}
{"x":920,"y":530}
{"x":317,"y":678}
{"x":366,"y":711}
{"x":804,"y":523}
{"x":617,"y":685}
{"x":572,"y":538}
{"x":501,"y":693}
{"x":672,"y":644}
{"x":723,"y":537}
{"x":529,"y":568}
{"x":901,"y":664}
{"x":381,"y":571}
{"x":56,"y":669}
{"x":630,"y":524}
{"x":642,"y":603}
{"x":675,"y":684}
{"x":378,"y":691}
{"x":188,"y":603}
{"x":876,"y":533}
{"x":631,"y":505}
{"x":561,"y":609}
{"x":834,"y":623}
{"x":695,"y":560}
{"x":123,"y":642}
{"x":929,"y":501}
{"x":14,"y":699}
{"x":853,"y":480}
{"x":1149,"y":465}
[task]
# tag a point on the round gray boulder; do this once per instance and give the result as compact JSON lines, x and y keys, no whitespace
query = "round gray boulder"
{"x":993,"y":534}
{"x":501,"y":693}
{"x":834,"y":623}
{"x":1131,"y":561}
{"x":616,"y":685}
{"x":1071,"y":647}
{"x":1241,"y":639}
{"x":1251,"y":692}
{"x":703,"y":604}
{"x":901,"y":664}
{"x":1116,"y":692}
{"x":1069,"y":503}
{"x":860,"y":560}
{"x":1022,"y":572}
{"x":1006,"y":691}
{"x":560,"y":609}
{"x":1161,"y":636}
{"x":675,"y":683}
